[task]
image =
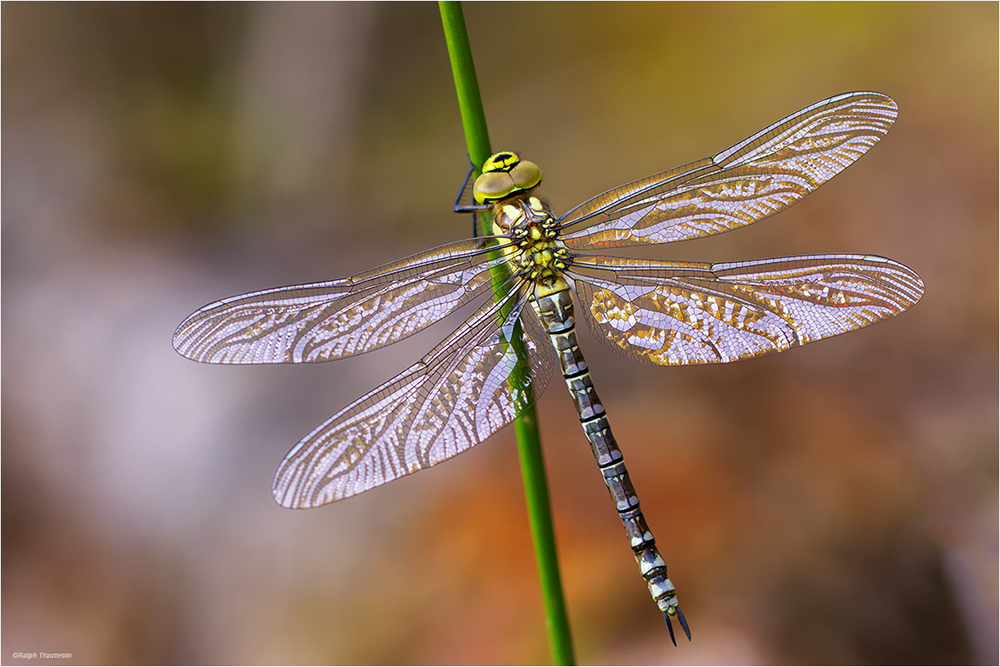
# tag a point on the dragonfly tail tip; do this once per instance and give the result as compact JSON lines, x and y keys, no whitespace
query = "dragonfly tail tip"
{"x":684,"y":623}
{"x":670,"y":627}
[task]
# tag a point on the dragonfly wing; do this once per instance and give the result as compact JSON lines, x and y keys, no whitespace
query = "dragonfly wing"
{"x":762,"y":175}
{"x":673,"y":313}
{"x":470,"y":386}
{"x":339,"y":318}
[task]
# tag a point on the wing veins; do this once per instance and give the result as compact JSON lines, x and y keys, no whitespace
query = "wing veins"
{"x":652,"y":310}
{"x":410,"y":432}
{"x":322,"y":321}
{"x":731,"y":189}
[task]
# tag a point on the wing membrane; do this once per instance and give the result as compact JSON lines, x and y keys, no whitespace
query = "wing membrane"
{"x":673,"y":313}
{"x":470,"y":386}
{"x":759,"y":176}
{"x":339,"y":318}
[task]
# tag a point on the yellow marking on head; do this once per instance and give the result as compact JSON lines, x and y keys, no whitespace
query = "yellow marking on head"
{"x":502,"y":161}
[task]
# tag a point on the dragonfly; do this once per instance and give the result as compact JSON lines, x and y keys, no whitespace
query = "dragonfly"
{"x":531,"y":274}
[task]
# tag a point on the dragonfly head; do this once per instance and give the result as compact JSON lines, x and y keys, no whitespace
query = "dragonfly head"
{"x":504,"y":174}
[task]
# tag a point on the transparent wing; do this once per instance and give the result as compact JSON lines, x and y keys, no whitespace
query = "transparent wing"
{"x":339,"y":318}
{"x":673,"y":313}
{"x":468,"y":387}
{"x":757,"y":177}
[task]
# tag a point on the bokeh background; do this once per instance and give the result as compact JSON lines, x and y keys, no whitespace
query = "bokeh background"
{"x":833,"y":504}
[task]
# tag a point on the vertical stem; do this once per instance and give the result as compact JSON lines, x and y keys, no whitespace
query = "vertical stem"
{"x":526,"y":426}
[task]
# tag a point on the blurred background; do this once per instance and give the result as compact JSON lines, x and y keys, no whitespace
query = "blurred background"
{"x":833,"y":504}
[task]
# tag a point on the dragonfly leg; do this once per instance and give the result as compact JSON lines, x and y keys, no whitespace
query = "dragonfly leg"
{"x":464,"y":203}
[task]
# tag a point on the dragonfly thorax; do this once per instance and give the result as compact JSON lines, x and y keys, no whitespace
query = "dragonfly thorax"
{"x":529,"y":223}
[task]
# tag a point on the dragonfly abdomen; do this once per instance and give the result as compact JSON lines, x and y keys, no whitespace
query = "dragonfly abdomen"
{"x":554,"y":305}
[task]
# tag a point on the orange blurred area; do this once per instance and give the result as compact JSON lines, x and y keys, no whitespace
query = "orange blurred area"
{"x":832,"y":504}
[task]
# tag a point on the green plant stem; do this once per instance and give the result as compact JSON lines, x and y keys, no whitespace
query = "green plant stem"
{"x":470,"y":103}
{"x":529,"y":443}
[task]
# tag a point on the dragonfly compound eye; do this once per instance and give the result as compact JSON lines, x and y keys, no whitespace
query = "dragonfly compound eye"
{"x":526,"y":175}
{"x":492,"y":185}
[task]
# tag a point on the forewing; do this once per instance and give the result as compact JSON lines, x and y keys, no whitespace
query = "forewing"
{"x":673,"y":313}
{"x":470,"y":386}
{"x":761,"y":175}
{"x":339,"y":318}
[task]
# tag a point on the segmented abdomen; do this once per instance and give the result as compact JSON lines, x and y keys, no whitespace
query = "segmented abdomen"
{"x":554,"y":306}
